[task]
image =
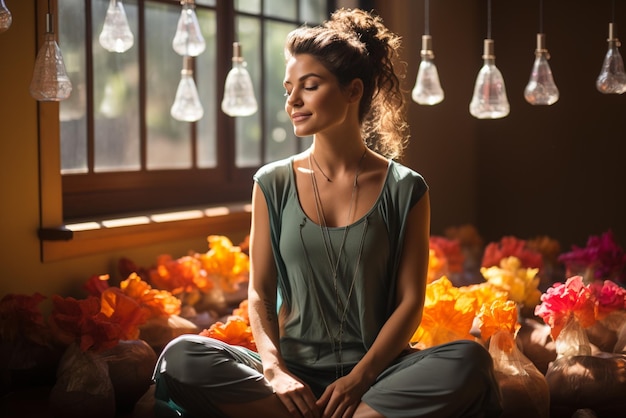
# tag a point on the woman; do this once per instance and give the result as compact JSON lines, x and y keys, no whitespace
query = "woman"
{"x":339,"y":257}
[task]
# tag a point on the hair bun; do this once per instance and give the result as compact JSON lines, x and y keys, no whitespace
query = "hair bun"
{"x":367,"y":28}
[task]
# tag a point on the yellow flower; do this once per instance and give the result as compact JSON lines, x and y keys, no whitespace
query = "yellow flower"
{"x":225,"y":262}
{"x":521,"y":284}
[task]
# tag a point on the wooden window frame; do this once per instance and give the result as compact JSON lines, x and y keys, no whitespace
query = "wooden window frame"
{"x":224,"y":208}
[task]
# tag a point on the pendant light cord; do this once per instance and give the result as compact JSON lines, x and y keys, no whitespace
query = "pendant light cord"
{"x":540,"y":16}
{"x":426,"y":17}
{"x":488,"y":19}
{"x":613,"y":11}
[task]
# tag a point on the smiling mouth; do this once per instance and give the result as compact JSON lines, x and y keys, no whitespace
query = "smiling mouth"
{"x":298,"y":117}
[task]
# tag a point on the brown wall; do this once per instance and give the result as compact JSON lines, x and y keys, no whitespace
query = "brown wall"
{"x":556,"y":170}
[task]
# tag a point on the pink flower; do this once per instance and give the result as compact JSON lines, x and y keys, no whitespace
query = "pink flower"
{"x":610,"y":296}
{"x":602,"y":255}
{"x":561,"y":301}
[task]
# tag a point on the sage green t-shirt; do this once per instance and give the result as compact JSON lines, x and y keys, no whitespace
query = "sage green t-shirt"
{"x":316,"y":310}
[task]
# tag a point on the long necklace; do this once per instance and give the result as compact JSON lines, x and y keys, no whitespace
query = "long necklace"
{"x":341,"y":308}
{"x":319,"y":168}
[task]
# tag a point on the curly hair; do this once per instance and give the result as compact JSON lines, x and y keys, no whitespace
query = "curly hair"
{"x":356,"y":44}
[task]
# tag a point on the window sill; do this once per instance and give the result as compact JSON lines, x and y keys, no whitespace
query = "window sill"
{"x":102,"y":235}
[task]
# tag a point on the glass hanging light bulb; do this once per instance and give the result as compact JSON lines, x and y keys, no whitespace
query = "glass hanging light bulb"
{"x":427,"y":90}
{"x":116,"y":35}
{"x":489,"y":100}
{"x":50,"y":82}
{"x":5,"y":17}
{"x":541,"y":89}
{"x":188,"y":39}
{"x":187,"y":106}
{"x":239,"y":97}
{"x":612,"y":78}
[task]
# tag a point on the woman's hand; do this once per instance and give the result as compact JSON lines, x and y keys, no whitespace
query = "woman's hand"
{"x":295,"y":395}
{"x":342,"y":397}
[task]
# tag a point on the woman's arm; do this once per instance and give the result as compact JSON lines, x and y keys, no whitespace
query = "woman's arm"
{"x":394,"y":336}
{"x":294,"y":394}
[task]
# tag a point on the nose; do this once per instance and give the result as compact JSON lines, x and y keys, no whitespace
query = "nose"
{"x":294,"y":99}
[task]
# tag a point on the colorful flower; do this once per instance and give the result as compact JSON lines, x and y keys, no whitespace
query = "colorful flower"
{"x":602,"y":257}
{"x":97,"y":284}
{"x":448,"y":315}
{"x":500,"y":315}
{"x":511,"y":246}
{"x":236,"y":331}
{"x":451,"y":250}
{"x":521,"y":284}
{"x":561,"y":301}
{"x":20,"y":316}
{"x":154,"y":301}
{"x":225,"y":262}
{"x":610,"y":297}
{"x":179,"y":276}
{"x":96,"y":323}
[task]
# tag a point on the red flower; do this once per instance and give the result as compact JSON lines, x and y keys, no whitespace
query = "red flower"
{"x":97,"y":284}
{"x":20,"y":316}
{"x":511,"y":246}
{"x":451,"y":250}
{"x":96,"y":323}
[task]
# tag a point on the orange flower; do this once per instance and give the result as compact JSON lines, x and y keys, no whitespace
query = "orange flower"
{"x":183,"y":275}
{"x":242,"y":311}
{"x":496,"y":316}
{"x":484,"y":293}
{"x":225,"y":262}
{"x":437,"y":265}
{"x":447,"y":316}
{"x":235,"y":331}
{"x":155,"y":302}
{"x":124,"y":311}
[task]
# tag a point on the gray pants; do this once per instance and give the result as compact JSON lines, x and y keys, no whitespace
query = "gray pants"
{"x":196,"y":373}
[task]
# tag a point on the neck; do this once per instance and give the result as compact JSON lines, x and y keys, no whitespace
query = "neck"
{"x":339,"y":160}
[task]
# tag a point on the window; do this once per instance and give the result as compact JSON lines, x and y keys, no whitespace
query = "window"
{"x":122,"y":152}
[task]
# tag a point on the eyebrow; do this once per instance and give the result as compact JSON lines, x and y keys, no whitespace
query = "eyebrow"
{"x":304,"y":77}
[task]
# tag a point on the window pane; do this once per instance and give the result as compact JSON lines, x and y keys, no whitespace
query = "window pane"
{"x":313,"y":11}
{"x":168,"y":140}
{"x":73,"y":110}
{"x":248,"y":128}
{"x":248,"y":6}
{"x":206,"y":64}
{"x":116,"y":98}
{"x":279,"y":132}
{"x":285,"y":9}
{"x":205,"y":2}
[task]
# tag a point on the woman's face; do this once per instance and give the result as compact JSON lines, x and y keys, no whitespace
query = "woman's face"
{"x":315,"y":101}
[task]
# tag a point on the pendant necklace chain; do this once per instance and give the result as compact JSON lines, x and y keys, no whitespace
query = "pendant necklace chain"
{"x":320,"y":168}
{"x":341,"y":308}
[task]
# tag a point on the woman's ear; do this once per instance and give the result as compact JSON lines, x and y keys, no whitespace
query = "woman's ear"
{"x":355,"y":90}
